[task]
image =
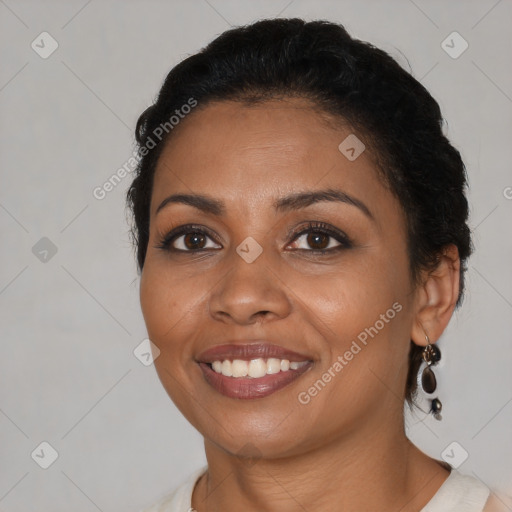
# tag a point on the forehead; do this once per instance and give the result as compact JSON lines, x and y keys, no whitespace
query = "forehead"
{"x":252,"y":153}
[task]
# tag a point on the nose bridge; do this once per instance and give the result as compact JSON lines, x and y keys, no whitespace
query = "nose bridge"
{"x":251,"y":288}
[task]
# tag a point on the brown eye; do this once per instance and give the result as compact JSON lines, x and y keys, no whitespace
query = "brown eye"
{"x":194,"y":241}
{"x":189,"y":239}
{"x":318,"y":240}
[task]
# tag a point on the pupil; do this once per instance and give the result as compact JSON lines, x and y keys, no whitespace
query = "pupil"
{"x":194,"y":240}
{"x":318,"y":240}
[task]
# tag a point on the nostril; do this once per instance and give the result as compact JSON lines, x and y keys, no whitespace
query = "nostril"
{"x":261,"y":314}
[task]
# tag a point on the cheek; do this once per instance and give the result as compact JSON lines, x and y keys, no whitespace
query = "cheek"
{"x":351,"y":299}
{"x":362,"y":315}
{"x":167,"y":301}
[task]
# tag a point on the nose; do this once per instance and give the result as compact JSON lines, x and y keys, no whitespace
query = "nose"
{"x":250,"y":293}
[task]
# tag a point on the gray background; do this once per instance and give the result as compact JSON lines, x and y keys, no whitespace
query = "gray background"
{"x":70,"y":324}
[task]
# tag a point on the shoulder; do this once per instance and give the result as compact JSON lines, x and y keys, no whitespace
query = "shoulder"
{"x":180,"y":499}
{"x":493,"y":504}
{"x":459,"y":493}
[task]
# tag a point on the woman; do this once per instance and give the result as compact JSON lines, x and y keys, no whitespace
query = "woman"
{"x":300,"y":222}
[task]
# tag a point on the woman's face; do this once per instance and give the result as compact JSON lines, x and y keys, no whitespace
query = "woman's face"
{"x":284,"y":248}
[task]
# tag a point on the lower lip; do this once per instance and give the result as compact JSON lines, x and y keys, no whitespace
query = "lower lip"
{"x":247,"y":388}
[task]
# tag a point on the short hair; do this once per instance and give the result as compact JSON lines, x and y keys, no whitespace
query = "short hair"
{"x":351,"y":80}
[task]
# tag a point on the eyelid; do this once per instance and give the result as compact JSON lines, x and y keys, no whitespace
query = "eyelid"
{"x":296,"y":232}
{"x":166,"y":240}
{"x":320,"y":227}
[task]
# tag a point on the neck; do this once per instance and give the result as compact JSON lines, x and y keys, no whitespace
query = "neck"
{"x":370,"y":469}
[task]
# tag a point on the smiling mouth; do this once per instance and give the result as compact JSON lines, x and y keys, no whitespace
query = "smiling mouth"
{"x":236,"y":371}
{"x":255,"y":368}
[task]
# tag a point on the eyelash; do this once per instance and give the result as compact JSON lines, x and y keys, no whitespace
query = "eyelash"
{"x":311,"y":227}
{"x":323,"y":229}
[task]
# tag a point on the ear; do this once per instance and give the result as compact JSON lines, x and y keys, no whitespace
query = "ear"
{"x":436,"y":297}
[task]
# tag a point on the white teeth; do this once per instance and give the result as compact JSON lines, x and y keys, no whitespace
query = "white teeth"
{"x":273,"y":365}
{"x":227,"y":369}
{"x":240,"y":368}
{"x":256,"y":368}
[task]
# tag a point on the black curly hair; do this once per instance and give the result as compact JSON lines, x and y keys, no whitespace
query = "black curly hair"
{"x":348,"y":79}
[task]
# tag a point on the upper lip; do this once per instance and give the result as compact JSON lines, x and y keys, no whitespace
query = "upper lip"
{"x":245,"y":350}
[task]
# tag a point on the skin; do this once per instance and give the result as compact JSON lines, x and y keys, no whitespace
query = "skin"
{"x":346,"y":449}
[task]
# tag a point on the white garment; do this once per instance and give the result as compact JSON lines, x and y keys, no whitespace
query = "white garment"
{"x":459,"y":493}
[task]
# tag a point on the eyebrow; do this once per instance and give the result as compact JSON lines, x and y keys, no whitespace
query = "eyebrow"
{"x":199,"y":201}
{"x":291,"y":202}
{"x":304,"y":199}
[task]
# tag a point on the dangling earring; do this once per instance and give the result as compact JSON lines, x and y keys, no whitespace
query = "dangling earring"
{"x":431,"y":355}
